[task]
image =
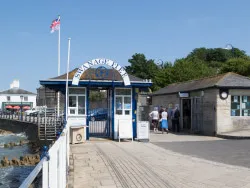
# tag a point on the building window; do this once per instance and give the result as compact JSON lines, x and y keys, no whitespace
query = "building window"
{"x":25,"y":98}
{"x":77,"y":101}
{"x":8,"y":98}
{"x":123,"y":102}
{"x":240,"y":105}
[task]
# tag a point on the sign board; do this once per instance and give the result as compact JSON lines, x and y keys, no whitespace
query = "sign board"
{"x":183,"y":94}
{"x":101,"y":61}
{"x":143,"y":130}
{"x":125,"y":130}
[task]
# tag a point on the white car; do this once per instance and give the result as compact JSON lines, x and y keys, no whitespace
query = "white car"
{"x":29,"y":112}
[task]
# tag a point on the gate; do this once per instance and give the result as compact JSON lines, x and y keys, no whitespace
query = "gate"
{"x":197,"y":114}
{"x":99,"y":113}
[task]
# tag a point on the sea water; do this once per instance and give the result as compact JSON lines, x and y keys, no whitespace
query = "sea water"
{"x":11,"y":177}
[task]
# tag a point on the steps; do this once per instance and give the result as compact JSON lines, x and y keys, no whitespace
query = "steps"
{"x":49,"y":126}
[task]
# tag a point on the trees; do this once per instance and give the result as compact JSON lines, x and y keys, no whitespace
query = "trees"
{"x":141,"y":67}
{"x":237,"y":65}
{"x":201,"y":62}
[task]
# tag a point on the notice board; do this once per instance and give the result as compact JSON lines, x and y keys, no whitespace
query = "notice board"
{"x":125,"y":129}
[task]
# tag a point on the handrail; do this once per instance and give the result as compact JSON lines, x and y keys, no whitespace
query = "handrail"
{"x":54,"y":165}
{"x":28,"y":181}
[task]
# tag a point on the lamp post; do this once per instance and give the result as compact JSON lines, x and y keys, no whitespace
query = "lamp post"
{"x":230,"y":47}
{"x":21,"y":97}
{"x":160,"y":63}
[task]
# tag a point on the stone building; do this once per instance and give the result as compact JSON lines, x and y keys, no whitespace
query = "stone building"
{"x":211,"y":105}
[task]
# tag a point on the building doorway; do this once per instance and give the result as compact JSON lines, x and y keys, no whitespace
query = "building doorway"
{"x":186,"y":114}
{"x":99,"y":112}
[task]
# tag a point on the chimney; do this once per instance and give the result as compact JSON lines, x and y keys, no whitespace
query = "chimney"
{"x":14,"y":84}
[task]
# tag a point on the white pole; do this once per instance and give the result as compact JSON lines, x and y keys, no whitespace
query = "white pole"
{"x":67,"y":87}
{"x":66,"y":114}
{"x":59,"y":40}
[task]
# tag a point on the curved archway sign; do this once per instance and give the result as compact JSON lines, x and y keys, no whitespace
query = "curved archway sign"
{"x":102,"y":61}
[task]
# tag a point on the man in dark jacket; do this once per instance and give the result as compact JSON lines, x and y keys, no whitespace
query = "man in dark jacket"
{"x":175,"y":115}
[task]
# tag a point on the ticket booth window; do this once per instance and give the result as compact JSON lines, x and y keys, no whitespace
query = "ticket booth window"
{"x":123,"y":101}
{"x":77,"y":101}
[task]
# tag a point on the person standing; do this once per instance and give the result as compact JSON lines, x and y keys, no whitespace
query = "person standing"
{"x":176,"y":116}
{"x":155,"y":117}
{"x":164,"y":121}
{"x":160,"y":112}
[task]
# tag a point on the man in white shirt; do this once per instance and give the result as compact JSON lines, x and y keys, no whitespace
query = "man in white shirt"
{"x":155,"y":117}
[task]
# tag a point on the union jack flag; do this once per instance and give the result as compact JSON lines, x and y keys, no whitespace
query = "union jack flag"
{"x":55,"y":25}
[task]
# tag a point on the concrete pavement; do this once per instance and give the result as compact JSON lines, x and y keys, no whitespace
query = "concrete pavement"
{"x":242,"y":134}
{"x":134,"y":164}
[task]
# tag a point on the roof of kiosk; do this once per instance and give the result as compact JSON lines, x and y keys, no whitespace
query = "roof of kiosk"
{"x":226,"y":80}
{"x":94,"y":75}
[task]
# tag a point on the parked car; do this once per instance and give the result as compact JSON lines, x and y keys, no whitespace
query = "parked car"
{"x":31,"y":111}
{"x":35,"y":114}
{"x":98,"y":114}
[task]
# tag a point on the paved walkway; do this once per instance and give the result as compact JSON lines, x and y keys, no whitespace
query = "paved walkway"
{"x":134,"y":164}
{"x":180,"y":137}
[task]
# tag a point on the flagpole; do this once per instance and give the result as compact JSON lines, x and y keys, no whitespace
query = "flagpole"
{"x":67,"y":81}
{"x":67,"y":88}
{"x":59,"y":53}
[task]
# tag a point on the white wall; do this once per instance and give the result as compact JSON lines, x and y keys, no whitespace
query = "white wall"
{"x":16,"y":98}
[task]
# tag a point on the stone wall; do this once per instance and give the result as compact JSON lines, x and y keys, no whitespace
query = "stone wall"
{"x":209,"y":111}
{"x":165,"y":100}
{"x":216,"y":112}
{"x":168,"y":101}
{"x":30,"y":129}
{"x":226,"y":122}
{"x":209,"y":104}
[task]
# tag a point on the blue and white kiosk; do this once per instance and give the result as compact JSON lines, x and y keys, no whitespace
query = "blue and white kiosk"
{"x":112,"y":117}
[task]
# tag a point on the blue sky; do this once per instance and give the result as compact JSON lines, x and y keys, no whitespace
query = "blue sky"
{"x":112,"y":29}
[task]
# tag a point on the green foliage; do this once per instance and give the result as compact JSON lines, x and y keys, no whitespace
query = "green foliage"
{"x":237,"y":65}
{"x":185,"y":70}
{"x":215,"y":57}
{"x":96,"y":96}
{"x":201,"y":62}
{"x":141,"y":67}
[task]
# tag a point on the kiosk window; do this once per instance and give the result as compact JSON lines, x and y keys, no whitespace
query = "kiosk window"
{"x":123,"y":101}
{"x":77,"y":101}
{"x":245,"y":105}
{"x":240,"y":105}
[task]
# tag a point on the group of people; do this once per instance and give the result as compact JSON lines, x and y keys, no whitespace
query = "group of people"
{"x":160,"y":119}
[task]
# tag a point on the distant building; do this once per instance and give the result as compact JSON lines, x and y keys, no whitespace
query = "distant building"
{"x":211,"y":105}
{"x":15,"y":98}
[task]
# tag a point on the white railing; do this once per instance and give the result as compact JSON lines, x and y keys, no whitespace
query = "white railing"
{"x":54,"y":165}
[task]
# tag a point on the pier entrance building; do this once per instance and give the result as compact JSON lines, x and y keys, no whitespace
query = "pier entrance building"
{"x":102,"y":96}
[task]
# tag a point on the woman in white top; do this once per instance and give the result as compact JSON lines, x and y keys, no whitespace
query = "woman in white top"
{"x":164,"y":121}
{"x":155,"y":117}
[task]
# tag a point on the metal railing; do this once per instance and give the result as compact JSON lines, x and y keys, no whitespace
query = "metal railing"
{"x":54,"y":164}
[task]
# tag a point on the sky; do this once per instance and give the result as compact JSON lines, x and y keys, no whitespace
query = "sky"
{"x":113,"y":29}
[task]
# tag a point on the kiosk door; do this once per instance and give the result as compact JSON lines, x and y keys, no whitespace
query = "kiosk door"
{"x":123,"y":113}
{"x":99,"y":113}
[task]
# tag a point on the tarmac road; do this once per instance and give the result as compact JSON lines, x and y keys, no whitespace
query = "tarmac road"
{"x":232,"y":152}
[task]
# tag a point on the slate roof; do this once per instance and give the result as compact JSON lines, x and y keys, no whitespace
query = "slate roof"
{"x":227,"y":80}
{"x":90,"y":74}
{"x":16,"y":91}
